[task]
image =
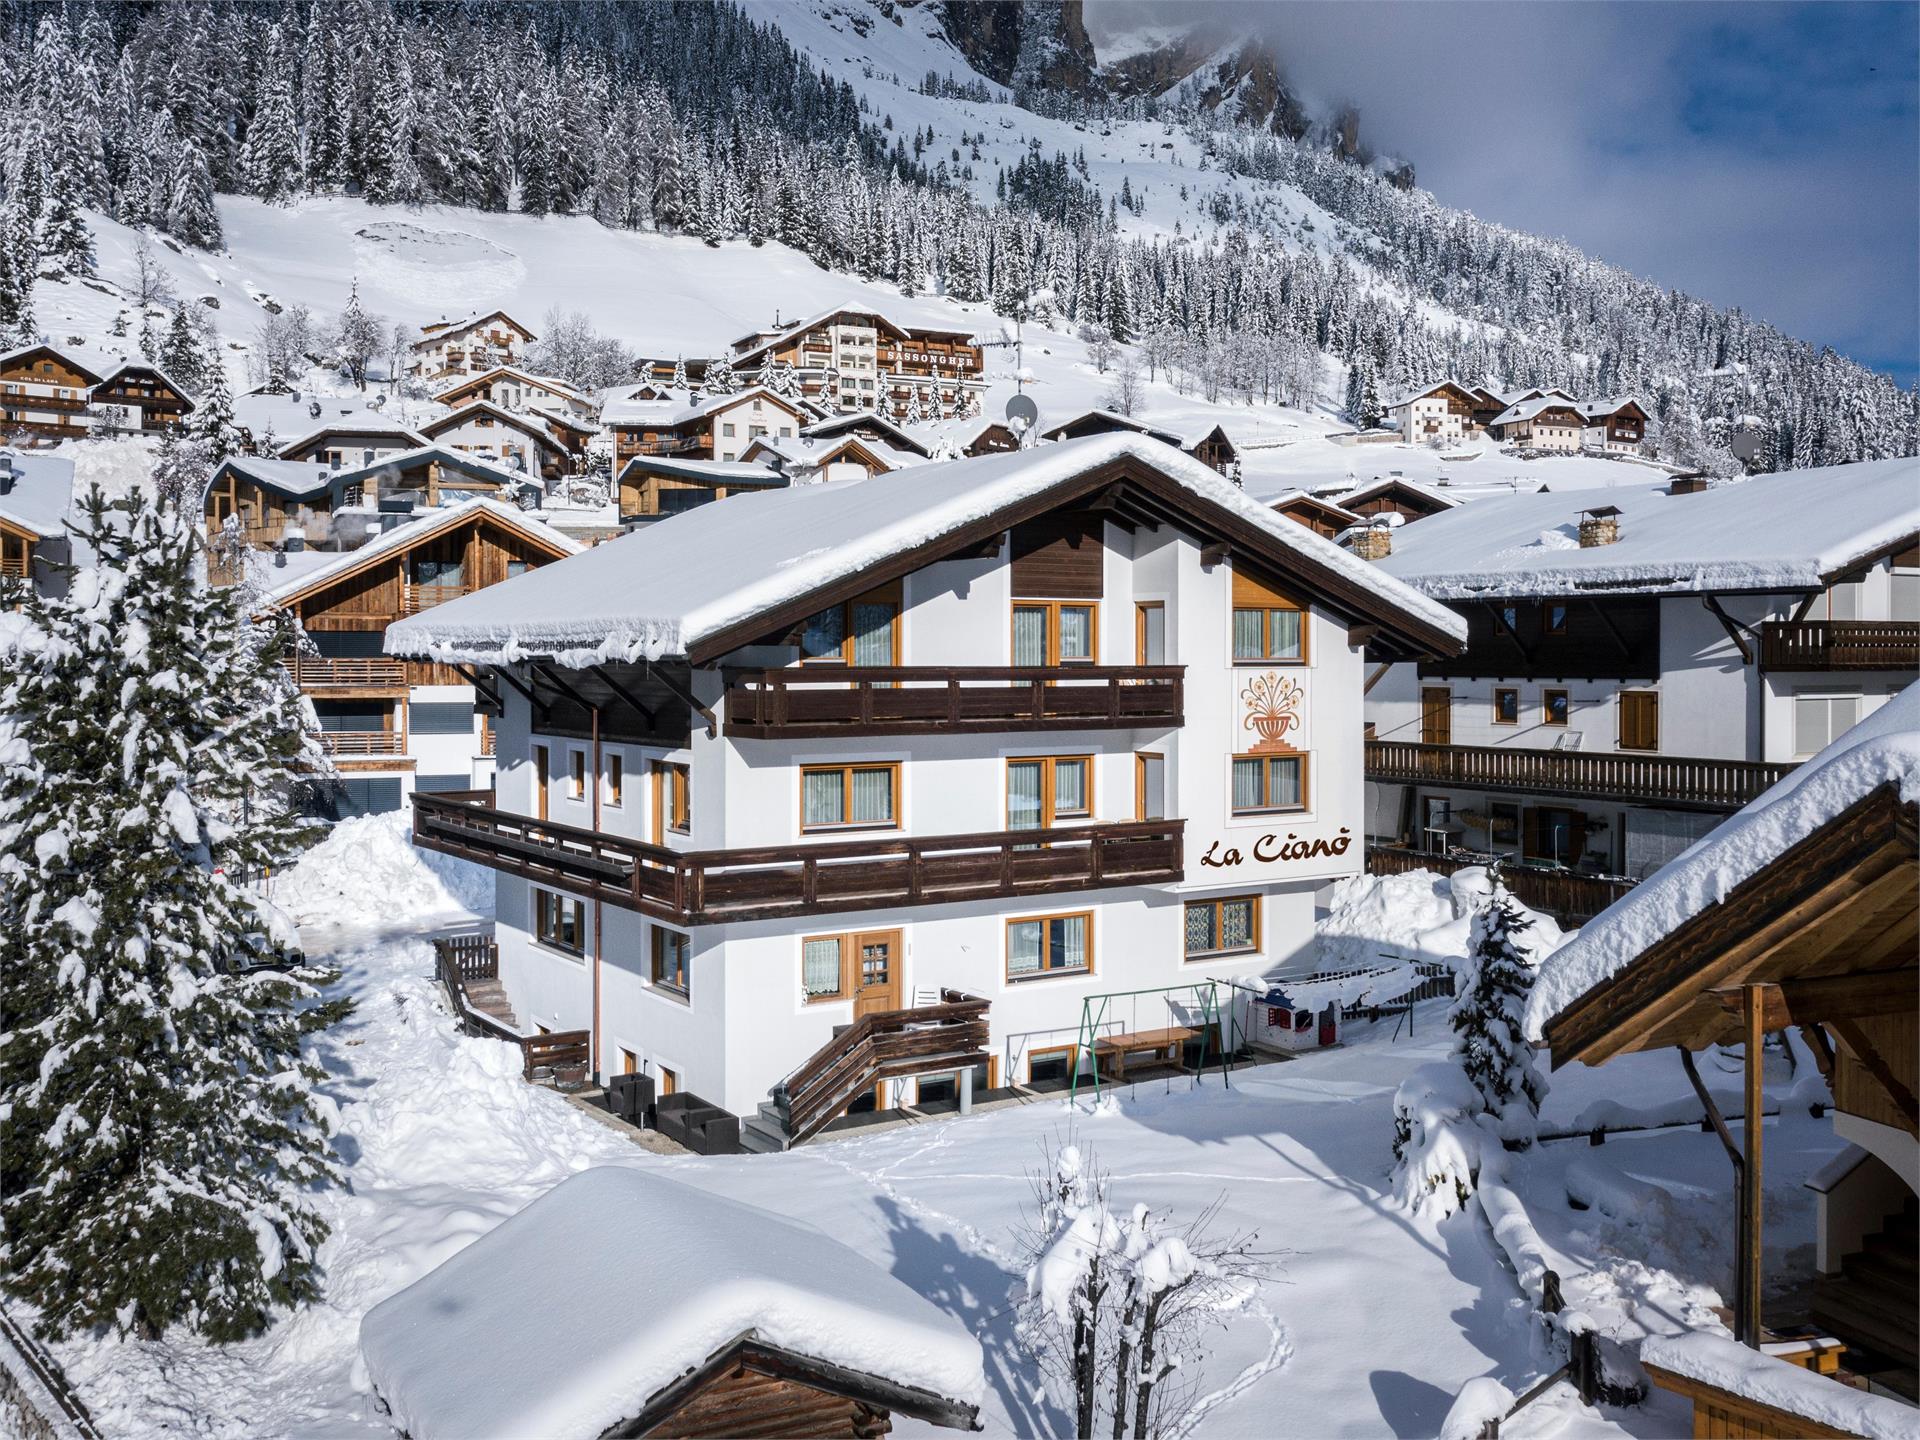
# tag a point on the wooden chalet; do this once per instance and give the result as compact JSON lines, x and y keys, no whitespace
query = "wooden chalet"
{"x":1400,"y":496}
{"x":1617,"y":425}
{"x":818,"y":1340}
{"x":1439,"y":412}
{"x":854,"y":359}
{"x":512,"y":388}
{"x":350,"y":443}
{"x":1211,"y":447}
{"x":469,"y":346}
{"x":1817,"y":930}
{"x":137,"y":398}
{"x":1540,"y":422}
{"x":870,"y":426}
{"x":652,"y":486}
{"x":270,"y":497}
{"x":714,"y":427}
{"x":844,"y":457}
{"x":499,"y":435}
{"x":44,"y":394}
{"x":1323,"y":517}
{"x":1485,"y":405}
{"x":36,"y":492}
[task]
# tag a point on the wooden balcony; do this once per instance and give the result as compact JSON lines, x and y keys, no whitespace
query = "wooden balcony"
{"x":14,"y":566}
{"x":352,"y":744}
{"x":1677,"y":781}
{"x":1840,"y":645}
{"x":415,"y":598}
{"x":371,"y":675}
{"x":712,"y":886}
{"x":815,"y":701}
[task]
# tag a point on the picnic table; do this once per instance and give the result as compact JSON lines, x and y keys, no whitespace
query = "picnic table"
{"x":1112,"y":1050}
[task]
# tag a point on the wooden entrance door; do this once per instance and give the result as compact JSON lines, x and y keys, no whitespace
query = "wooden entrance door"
{"x":876,"y":972}
{"x":1436,"y":715}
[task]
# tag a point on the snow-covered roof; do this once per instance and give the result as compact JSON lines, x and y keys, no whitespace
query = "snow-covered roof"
{"x":477,"y":466}
{"x":1611,"y":405}
{"x":1726,"y":1364}
{"x":425,"y":525}
{"x":664,"y":590}
{"x":1514,"y":397}
{"x":1528,"y":409}
{"x":1118,"y":421}
{"x":711,"y":472}
{"x":902,"y":437}
{"x":295,"y":479}
{"x":454,"y":1355}
{"x":1366,"y":492}
{"x":758,"y":340}
{"x":353,"y":426}
{"x":1408,"y":397}
{"x":1789,"y":531}
{"x":152,"y":369}
{"x":21,"y":352}
{"x":42,"y":493}
{"x":439,"y":425}
{"x":526,"y":377}
{"x":802,"y":451}
{"x":1883,"y":749}
{"x":435,"y":331}
{"x":667,"y":415}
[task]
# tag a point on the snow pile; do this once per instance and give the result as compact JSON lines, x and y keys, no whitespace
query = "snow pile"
{"x":118,"y":466}
{"x":368,"y":869}
{"x":1480,"y":1400}
{"x":1883,"y":749}
{"x":455,"y":1355}
{"x":1730,"y":1366}
{"x":1416,"y":916}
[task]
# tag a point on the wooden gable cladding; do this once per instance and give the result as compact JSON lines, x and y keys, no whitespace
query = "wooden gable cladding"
{"x":372,"y":596}
{"x":1257,"y":589}
{"x":1600,"y":637}
{"x":1059,"y":557}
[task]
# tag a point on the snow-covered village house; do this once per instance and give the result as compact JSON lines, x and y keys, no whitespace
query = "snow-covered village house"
{"x":513,"y":441}
{"x":36,"y":493}
{"x":1210,"y":446}
{"x":1396,"y":495}
{"x":1615,"y":426}
{"x":393,"y":727}
{"x":1541,"y":422}
{"x":45,"y":394}
{"x":652,"y":486}
{"x":853,"y":359}
{"x":350,"y":443}
{"x":1635,"y":671}
{"x":520,"y":391}
{"x":1020,"y":731}
{"x":137,"y":398}
{"x":1801,"y":913}
{"x":1323,"y":517}
{"x":471,"y":345}
{"x":1438,"y":413}
{"x":713,"y":427}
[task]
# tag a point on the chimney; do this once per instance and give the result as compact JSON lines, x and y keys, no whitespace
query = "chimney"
{"x":1373,"y":543}
{"x":294,"y":541}
{"x":1599,"y":526}
{"x":1686,"y":485}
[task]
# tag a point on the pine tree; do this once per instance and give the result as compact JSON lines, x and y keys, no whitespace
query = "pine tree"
{"x":66,"y":242}
{"x":1489,"y":1019}
{"x":191,"y":213}
{"x":163,"y":1137}
{"x":680,"y":381}
{"x":181,"y":355}
{"x":270,"y":159}
{"x":212,"y":423}
{"x":719,"y":379}
{"x":16,"y":288}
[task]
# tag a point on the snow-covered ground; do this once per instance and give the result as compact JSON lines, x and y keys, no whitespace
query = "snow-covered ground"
{"x":1371,"y":1322}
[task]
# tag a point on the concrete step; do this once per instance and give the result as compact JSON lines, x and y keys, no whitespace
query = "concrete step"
{"x":760,"y":1137}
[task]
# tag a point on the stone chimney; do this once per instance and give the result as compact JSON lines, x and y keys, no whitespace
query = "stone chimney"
{"x":1599,"y":526}
{"x":1373,"y":543}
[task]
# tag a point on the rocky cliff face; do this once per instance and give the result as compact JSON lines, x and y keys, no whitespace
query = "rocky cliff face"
{"x":1026,"y":44}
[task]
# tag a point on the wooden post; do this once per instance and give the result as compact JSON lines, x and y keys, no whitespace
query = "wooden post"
{"x":1751,"y":1172}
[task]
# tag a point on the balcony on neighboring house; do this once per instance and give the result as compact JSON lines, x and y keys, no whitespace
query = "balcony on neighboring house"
{"x":370,"y":676}
{"x":815,"y":701}
{"x":415,"y":598}
{"x":1840,"y":645}
{"x":1673,"y":781}
{"x":884,"y":872}
{"x":363,"y":744}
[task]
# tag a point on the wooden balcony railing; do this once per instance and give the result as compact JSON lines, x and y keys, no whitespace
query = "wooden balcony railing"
{"x":818,"y":700}
{"x":352,"y":743}
{"x":707,"y":887}
{"x":316,"y":672}
{"x":888,"y":1045}
{"x":1570,"y":898}
{"x":15,"y":566}
{"x":1680,"y":781}
{"x":1840,"y":645}
{"x":415,"y":598}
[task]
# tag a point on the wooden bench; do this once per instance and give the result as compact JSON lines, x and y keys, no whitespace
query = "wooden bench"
{"x":1111,"y":1051}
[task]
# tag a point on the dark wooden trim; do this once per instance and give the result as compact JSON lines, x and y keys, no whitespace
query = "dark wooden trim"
{"x":1677,"y":782}
{"x":684,"y":693}
{"x":473,"y":678}
{"x":1613,"y":631}
{"x":1730,"y":625}
{"x":599,"y":672}
{"x":1818,"y":645}
{"x":1871,"y":558}
{"x":1856,"y":1039}
{"x":1826,"y":999}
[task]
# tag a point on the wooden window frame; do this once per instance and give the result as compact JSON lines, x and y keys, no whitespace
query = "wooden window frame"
{"x":1514,"y":691}
{"x":1049,"y":811}
{"x":616,"y":780}
{"x":655,"y":945}
{"x":547,"y":936}
{"x":1252,"y":591}
{"x":672,"y":799}
{"x":1140,"y":759}
{"x":1620,"y":722}
{"x":891,"y":593}
{"x":1546,"y":707}
{"x":1053,"y":609}
{"x":1306,"y":794}
{"x":1216,"y":903}
{"x":1140,"y":609}
{"x":846,"y":772}
{"x":1047,"y":1052}
{"x":1043,"y":973}
{"x":542,"y":778}
{"x":576,"y":773}
{"x":1547,"y":625}
{"x":841,"y":993}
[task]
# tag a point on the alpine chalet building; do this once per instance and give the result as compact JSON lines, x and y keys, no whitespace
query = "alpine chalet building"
{"x":980,"y":744}
{"x":1641,"y":661}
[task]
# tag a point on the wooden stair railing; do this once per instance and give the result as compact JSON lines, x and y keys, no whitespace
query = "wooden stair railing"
{"x":888,"y":1045}
{"x":459,"y":960}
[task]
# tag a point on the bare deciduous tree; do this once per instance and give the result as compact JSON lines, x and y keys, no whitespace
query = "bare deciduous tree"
{"x":151,"y":284}
{"x":1128,"y":390}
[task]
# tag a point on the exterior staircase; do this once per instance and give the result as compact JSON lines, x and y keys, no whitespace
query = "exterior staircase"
{"x":489,"y":997}
{"x":1874,"y":1302}
{"x":468,"y":969}
{"x":887,"y":1045}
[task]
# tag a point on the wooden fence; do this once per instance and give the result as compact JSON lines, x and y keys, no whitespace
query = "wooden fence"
{"x":1560,"y":893}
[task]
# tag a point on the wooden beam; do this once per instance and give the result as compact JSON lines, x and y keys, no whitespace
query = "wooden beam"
{"x":1788,"y":1003}
{"x":1806,"y":604}
{"x":474,"y":679}
{"x":1379,"y":673}
{"x":1731,"y":626}
{"x":1362,"y":634}
{"x":507,"y":675}
{"x":685,"y":694}
{"x":1822,"y":1049}
{"x":1500,"y":625}
{"x":1874,"y":1063}
{"x":541,"y":672}
{"x":1212,"y":555}
{"x":1751,"y":1186}
{"x":1613,"y":631}
{"x":618,"y":689}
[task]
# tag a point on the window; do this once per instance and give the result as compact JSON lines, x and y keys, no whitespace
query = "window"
{"x":1506,"y":705}
{"x":1150,"y":633}
{"x":672,"y":954}
{"x":440,"y":717}
{"x":428,"y":570}
{"x":727,"y":429}
{"x":864,"y":631}
{"x":1050,"y":788}
{"x":671,"y":800}
{"x":517,"y":567}
{"x":1555,"y":706}
{"x":1269,"y":782}
{"x":849,"y":796}
{"x":1054,"y":632}
{"x":1223,"y":927}
{"x":823,"y":972}
{"x":1149,"y":786}
{"x":1050,"y":945}
{"x":560,"y":921}
{"x":540,"y":773}
{"x":1820,"y":719}
{"x":629,"y":1062}
{"x":577,"y":774}
{"x":1555,"y":621}
{"x":1053,"y":1066}
{"x":669,"y":1081}
{"x":616,"y":779}
{"x":1503,"y":823}
{"x":1269,"y":626}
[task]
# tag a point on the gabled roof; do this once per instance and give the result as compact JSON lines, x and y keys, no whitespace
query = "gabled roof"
{"x":898,"y":435}
{"x":801,"y":451}
{"x":1305,"y":500}
{"x":668,"y":416}
{"x":290,"y":479}
{"x":1377,"y":488}
{"x":1792,"y":531}
{"x":126,"y":367}
{"x":434,"y":331}
{"x":934,"y":435}
{"x":500,"y":372}
{"x":1464,"y":391}
{"x":707,"y":472}
{"x":475,"y":467}
{"x":1530,"y":409}
{"x":415,"y":532}
{"x":25,"y":352}
{"x":758,"y":340}
{"x":1110,"y":421}
{"x":565,"y":421}
{"x":1611,"y":406}
{"x":412,"y":438}
{"x":1514,"y":397}
{"x":42,"y":493}
{"x":452,"y":1354}
{"x":664,"y":591}
{"x":532,"y":429}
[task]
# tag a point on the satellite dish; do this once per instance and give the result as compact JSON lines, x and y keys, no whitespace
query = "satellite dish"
{"x":1022,"y":414}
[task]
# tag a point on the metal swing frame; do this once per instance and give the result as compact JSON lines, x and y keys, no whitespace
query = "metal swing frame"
{"x":1222,"y":1024}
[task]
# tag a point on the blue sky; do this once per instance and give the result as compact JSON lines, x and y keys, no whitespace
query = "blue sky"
{"x":1759,"y":155}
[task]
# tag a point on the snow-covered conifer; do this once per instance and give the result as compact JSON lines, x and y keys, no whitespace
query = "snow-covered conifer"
{"x":720,"y":379}
{"x":680,"y":381}
{"x":181,"y":354}
{"x":270,"y":159}
{"x":164,"y":1134}
{"x":66,"y":244}
{"x":212,"y":423}
{"x":1489,"y":1019}
{"x":191,"y":214}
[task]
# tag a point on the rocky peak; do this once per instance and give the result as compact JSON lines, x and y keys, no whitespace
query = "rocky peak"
{"x":1025,"y":44}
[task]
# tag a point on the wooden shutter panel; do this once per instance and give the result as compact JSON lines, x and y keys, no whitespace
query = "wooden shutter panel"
{"x":1254,"y":590}
{"x":1058,"y":557}
{"x":1639,"y":720}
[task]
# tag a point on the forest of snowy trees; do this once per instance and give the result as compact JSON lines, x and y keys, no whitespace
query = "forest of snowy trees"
{"x":698,"y":119}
